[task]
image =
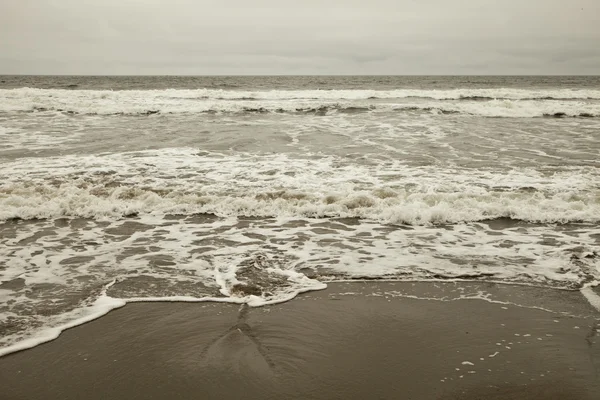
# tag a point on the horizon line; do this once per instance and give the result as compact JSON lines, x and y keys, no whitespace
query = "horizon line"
{"x":302,"y":75}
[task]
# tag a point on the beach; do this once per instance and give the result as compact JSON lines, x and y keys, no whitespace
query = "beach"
{"x":362,"y":340}
{"x":299,"y":237}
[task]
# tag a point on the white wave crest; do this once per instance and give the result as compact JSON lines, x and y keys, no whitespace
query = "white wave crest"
{"x":185,"y":182}
{"x":512,"y":108}
{"x":498,"y":102}
{"x":219,"y":94}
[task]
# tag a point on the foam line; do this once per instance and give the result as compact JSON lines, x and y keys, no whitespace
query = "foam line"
{"x":104,"y":304}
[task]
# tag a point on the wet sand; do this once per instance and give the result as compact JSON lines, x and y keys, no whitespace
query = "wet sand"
{"x":351,"y":341}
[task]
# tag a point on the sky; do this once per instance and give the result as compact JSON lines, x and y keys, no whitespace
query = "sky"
{"x":274,"y":37}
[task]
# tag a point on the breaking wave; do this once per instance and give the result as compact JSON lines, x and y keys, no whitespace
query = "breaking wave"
{"x":479,"y":102}
{"x":181,"y":181}
{"x":388,"y":206}
{"x":218,"y":94}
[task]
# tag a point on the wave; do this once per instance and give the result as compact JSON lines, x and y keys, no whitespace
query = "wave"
{"x":145,"y":103}
{"x":183,"y":181}
{"x":495,"y":108}
{"x":398,"y":208}
{"x":220,"y":94}
{"x":506,"y":111}
{"x":509,"y":109}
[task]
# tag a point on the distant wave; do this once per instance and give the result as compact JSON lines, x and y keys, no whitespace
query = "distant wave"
{"x":495,"y":108}
{"x":220,"y":94}
{"x":509,"y":108}
{"x":467,"y":102}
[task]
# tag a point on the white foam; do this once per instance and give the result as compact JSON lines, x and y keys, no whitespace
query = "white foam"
{"x":504,"y":103}
{"x":182,"y":181}
{"x":251,"y":300}
{"x":102,"y":306}
{"x":219,"y":94}
{"x":226,"y":279}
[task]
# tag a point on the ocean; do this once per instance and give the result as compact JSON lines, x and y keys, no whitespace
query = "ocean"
{"x":255,"y":189}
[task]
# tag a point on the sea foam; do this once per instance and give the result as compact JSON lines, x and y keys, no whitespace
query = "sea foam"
{"x":183,"y":181}
{"x":480,"y":102}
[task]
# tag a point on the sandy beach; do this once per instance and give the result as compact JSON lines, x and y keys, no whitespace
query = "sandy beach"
{"x":369,"y":340}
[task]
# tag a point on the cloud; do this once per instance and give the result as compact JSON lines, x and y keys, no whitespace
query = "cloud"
{"x":309,"y":37}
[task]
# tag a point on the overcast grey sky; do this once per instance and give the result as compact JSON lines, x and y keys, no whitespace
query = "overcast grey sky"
{"x":299,"y":37}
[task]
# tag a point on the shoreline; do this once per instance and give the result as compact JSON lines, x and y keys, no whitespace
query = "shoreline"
{"x":50,"y":334}
{"x":351,"y":340}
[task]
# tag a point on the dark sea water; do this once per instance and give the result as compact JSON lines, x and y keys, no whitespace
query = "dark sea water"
{"x":254,"y":189}
{"x":297,"y":82}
